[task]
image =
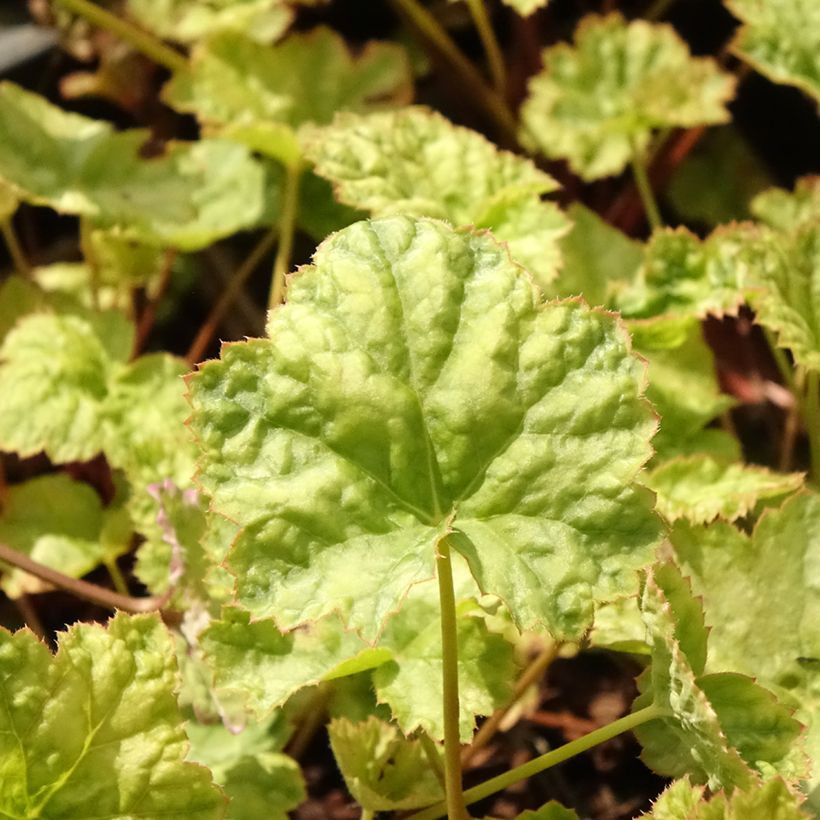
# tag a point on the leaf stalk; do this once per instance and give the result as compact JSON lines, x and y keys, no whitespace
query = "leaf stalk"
{"x":812,"y":406}
{"x":495,"y":58}
{"x":650,"y":204}
{"x":546,"y":761}
{"x":18,"y":256}
{"x":287,"y":230}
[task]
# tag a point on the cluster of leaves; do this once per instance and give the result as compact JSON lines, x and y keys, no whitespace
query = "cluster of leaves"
{"x":432,"y":399}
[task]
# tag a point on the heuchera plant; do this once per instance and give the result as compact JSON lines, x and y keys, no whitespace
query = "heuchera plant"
{"x":478,"y":431}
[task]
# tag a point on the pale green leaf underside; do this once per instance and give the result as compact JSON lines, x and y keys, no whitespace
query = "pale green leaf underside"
{"x":789,"y":210}
{"x":781,"y":39}
{"x":305,"y":79}
{"x":189,"y":20}
{"x":95,"y":730}
{"x":383,"y":769}
{"x":416,"y":162}
{"x":596,"y":103}
{"x":414,"y":384}
{"x":768,"y":801}
{"x":189,"y":197}
{"x":526,"y":7}
{"x":701,"y":489}
{"x":56,"y":521}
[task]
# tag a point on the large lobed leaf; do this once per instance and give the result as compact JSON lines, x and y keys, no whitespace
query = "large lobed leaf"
{"x":596,"y":103}
{"x":415,"y":386}
{"x":190,"y":196}
{"x":414,"y":161}
{"x":781,"y":39}
{"x":95,"y":731}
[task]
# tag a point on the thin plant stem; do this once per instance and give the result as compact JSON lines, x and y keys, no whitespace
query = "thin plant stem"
{"x":546,"y":761}
{"x":32,"y":619}
{"x":287,"y":229}
{"x":211,"y":325}
{"x":812,"y":419}
{"x":312,"y":720}
{"x":367,"y":814}
{"x":782,"y":362}
{"x":650,"y":205}
{"x":18,"y":256}
{"x":117,"y":578}
{"x":471,"y":80}
{"x":81,"y":589}
{"x":531,"y":675}
{"x":495,"y":58}
{"x":658,"y":9}
{"x":434,"y":758}
{"x":137,"y":38}
{"x":87,"y":248}
{"x":149,"y":314}
{"x":792,"y":423}
{"x":454,"y":803}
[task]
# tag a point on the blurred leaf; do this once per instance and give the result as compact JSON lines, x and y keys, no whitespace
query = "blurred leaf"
{"x":790,"y":210}
{"x":597,"y":102}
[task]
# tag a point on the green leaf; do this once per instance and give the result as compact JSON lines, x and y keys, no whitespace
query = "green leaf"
{"x":722,"y":153}
{"x":701,"y":489}
{"x":18,"y":298}
{"x":345,"y":445}
{"x":780,"y":38}
{"x":718,"y":725}
{"x":192,"y":195}
{"x":787,"y":302}
{"x":769,"y":801}
{"x":258,"y":779}
{"x":383,"y":769}
{"x":786,"y":210}
{"x":596,"y":258}
{"x":410,"y":683}
{"x":549,"y":811}
{"x":57,"y":522}
{"x":416,"y":162}
{"x":305,"y":79}
{"x":596,"y":103}
{"x":761,"y":601}
{"x":189,"y":20}
{"x":685,"y":276}
{"x":262,"y":666}
{"x":95,"y":730}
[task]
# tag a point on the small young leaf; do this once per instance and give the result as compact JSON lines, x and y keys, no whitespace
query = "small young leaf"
{"x":549,"y":811}
{"x":402,"y":340}
{"x":787,"y":210}
{"x":780,"y":38}
{"x":305,"y":79}
{"x":383,"y":769}
{"x":416,"y":162}
{"x":189,"y":197}
{"x":596,"y":103}
{"x":189,"y":20}
{"x":57,"y":522}
{"x":700,"y":489}
{"x":95,"y":731}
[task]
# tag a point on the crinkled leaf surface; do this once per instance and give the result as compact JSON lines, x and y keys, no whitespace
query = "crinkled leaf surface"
{"x":383,"y":769}
{"x":781,"y":39}
{"x":596,"y":103}
{"x":686,"y":276}
{"x":701,"y":489}
{"x":768,"y":801}
{"x":95,"y":731}
{"x":596,"y":258}
{"x":347,"y":445}
{"x":410,"y":683}
{"x":189,"y":197}
{"x":58,"y":522}
{"x":189,"y":20}
{"x":258,"y":779}
{"x":789,"y":210}
{"x":414,"y":161}
{"x":305,"y":79}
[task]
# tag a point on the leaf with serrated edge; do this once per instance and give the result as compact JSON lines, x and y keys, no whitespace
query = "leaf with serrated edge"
{"x":258,"y":779}
{"x":761,"y":600}
{"x":789,"y":210}
{"x":305,"y":79}
{"x":701,"y":489}
{"x":346,"y":445}
{"x":597,"y":102}
{"x":189,"y":20}
{"x":56,"y":521}
{"x":414,"y":161}
{"x":192,"y":195}
{"x":384,"y":770}
{"x":781,"y":39}
{"x":95,"y":731}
